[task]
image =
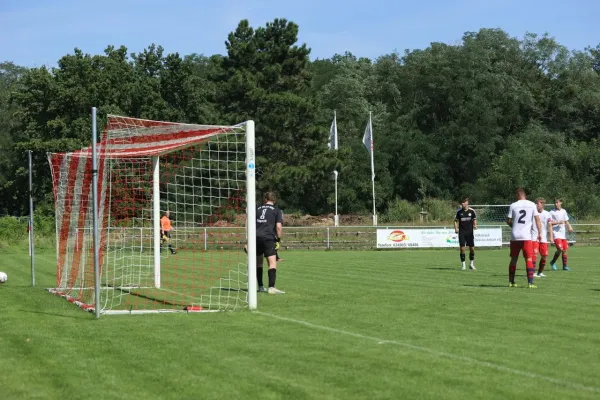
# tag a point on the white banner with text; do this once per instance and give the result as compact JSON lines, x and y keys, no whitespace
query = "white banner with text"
{"x":434,"y":237}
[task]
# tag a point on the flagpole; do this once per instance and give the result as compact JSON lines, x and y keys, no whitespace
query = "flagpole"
{"x":336,"y":218}
{"x":333,"y":145}
{"x":372,"y":169}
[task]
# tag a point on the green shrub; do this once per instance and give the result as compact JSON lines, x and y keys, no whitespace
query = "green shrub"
{"x":400,"y":210}
{"x":439,"y":210}
{"x":13,"y":230}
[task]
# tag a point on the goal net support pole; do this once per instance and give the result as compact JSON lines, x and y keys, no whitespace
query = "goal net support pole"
{"x":251,"y":215}
{"x":95,"y":234}
{"x":30,"y":224}
{"x":156,"y":218}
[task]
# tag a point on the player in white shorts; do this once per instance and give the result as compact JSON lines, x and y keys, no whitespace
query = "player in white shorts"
{"x":560,"y":220}
{"x":541,"y":247}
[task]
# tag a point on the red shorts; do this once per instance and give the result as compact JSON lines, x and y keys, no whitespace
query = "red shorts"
{"x":517,"y":245}
{"x":543,"y":249}
{"x":561,"y":244}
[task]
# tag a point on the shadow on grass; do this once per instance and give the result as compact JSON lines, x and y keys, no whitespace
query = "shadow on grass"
{"x":443,"y":268}
{"x":75,"y":315}
{"x":486,"y":286}
{"x":225,"y":289}
{"x":7,"y":286}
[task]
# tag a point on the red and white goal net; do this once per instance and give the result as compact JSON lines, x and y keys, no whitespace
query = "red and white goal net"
{"x":200,"y":174}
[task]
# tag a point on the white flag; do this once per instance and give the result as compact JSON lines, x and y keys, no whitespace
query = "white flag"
{"x":368,"y":137}
{"x":368,"y":142}
{"x":333,"y":136}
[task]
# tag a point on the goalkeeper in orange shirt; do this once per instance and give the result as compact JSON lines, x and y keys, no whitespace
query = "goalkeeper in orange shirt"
{"x":165,"y":232}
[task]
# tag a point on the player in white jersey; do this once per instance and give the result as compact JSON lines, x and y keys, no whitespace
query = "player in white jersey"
{"x":522,"y":214}
{"x":541,"y":247}
{"x":560,"y":220}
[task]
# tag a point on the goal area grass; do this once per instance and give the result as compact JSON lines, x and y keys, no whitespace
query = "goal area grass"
{"x":397,"y":324}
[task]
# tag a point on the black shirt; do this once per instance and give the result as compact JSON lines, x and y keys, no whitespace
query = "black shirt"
{"x":267,"y":217}
{"x":466,"y":220}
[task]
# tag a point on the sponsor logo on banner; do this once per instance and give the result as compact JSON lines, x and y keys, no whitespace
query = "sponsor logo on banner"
{"x":397,"y":236}
{"x":434,"y":237}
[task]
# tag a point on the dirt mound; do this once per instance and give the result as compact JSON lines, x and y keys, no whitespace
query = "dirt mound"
{"x":356,"y":220}
{"x":325,"y":220}
{"x":307,"y":220}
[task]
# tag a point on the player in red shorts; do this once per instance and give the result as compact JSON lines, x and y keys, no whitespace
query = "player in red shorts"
{"x":541,"y":247}
{"x":560,"y":219}
{"x":522,"y":214}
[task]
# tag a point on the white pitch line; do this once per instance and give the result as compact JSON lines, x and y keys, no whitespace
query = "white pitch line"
{"x":451,"y":356}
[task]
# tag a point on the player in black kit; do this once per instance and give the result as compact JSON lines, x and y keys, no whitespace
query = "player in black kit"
{"x":269,"y":228}
{"x":464,"y":224}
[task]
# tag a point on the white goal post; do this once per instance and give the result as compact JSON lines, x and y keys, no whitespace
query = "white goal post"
{"x":203,"y":175}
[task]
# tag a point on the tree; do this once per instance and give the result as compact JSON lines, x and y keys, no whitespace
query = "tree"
{"x":536,"y":159}
{"x":473,"y":118}
{"x":10,"y":132}
{"x":265,"y":77}
{"x":351,"y":91}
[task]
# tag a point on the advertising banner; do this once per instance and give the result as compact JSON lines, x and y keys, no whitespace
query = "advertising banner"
{"x":434,"y":237}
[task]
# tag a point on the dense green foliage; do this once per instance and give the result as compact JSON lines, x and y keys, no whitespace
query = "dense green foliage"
{"x":476,"y":118}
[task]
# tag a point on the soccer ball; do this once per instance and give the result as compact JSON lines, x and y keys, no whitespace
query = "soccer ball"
{"x":3,"y":277}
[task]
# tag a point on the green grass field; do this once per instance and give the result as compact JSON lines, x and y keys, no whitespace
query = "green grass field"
{"x":353,"y":325}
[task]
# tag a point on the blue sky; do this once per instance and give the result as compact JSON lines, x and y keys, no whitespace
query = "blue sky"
{"x":35,"y":33}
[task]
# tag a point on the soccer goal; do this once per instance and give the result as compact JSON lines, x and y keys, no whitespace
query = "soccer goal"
{"x":203,"y":175}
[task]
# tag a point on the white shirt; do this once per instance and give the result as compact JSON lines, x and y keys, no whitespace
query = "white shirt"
{"x":559,"y":230}
{"x":544,"y":218}
{"x":522,"y":213}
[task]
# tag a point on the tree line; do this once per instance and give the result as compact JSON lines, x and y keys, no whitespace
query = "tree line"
{"x":474,"y":119}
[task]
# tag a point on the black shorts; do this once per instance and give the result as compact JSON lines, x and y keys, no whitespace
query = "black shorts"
{"x":466,"y":239}
{"x":265,"y":246}
{"x":166,"y":233}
